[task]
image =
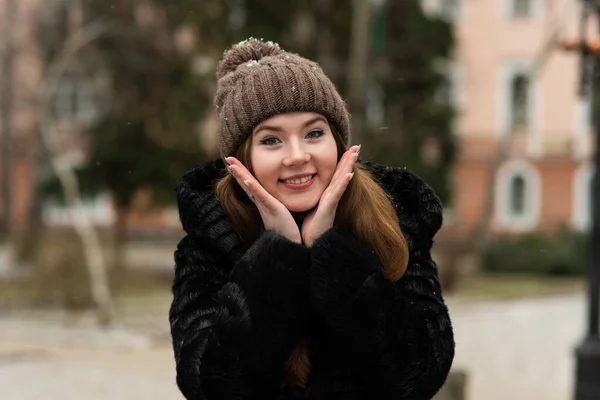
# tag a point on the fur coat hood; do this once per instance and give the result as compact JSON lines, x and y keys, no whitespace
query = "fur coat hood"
{"x":237,"y":312}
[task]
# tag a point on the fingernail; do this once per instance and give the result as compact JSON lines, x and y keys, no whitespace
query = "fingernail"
{"x":231,"y":171}
{"x":359,"y":146}
{"x":351,"y":176}
{"x":226,"y":159}
{"x":247,"y":183}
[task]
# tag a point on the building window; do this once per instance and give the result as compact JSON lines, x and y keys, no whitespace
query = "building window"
{"x":519,"y":101}
{"x":76,"y":98}
{"x":517,"y":196}
{"x":521,"y":8}
{"x":583,"y":193}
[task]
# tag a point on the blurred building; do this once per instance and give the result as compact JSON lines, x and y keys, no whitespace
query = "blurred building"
{"x":525,"y":134}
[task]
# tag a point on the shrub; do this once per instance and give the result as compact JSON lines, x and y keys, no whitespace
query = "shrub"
{"x":561,"y":254}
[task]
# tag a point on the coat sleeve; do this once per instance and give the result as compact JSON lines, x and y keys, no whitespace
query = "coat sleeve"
{"x":397,"y":336}
{"x":232,"y":332}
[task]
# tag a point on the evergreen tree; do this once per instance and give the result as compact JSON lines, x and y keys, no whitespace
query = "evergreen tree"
{"x":418,"y":129}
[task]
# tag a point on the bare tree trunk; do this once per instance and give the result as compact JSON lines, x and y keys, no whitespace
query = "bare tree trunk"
{"x":119,"y":242}
{"x":89,"y":237}
{"x":6,"y":111}
{"x":362,"y":16}
{"x":479,"y":233}
{"x":30,"y":239}
{"x":94,"y":255}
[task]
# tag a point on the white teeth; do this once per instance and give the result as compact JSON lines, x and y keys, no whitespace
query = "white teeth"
{"x":299,"y":180}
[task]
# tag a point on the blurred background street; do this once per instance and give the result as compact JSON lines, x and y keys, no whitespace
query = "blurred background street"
{"x":105,"y":104}
{"x":512,"y":349}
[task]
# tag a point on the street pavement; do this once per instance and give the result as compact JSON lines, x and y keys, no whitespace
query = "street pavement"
{"x":519,"y":350}
{"x":522,"y":349}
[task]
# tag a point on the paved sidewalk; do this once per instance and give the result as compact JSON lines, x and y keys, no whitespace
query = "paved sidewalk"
{"x":51,"y":356}
{"x":90,"y":375}
{"x":518,"y":350}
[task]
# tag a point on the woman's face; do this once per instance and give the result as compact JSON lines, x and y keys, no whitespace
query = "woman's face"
{"x":294,"y":156}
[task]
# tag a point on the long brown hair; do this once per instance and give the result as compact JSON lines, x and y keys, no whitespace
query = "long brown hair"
{"x":365,"y":208}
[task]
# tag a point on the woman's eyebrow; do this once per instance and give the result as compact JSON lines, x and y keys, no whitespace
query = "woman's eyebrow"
{"x":271,"y":128}
{"x":274,"y":128}
{"x":313,"y":120}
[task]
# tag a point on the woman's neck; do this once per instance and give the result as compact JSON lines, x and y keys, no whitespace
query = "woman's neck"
{"x":298,"y":217}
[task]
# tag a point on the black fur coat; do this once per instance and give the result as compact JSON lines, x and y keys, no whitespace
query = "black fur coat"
{"x":237,"y":312}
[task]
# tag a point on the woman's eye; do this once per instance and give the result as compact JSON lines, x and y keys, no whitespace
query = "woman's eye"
{"x":269,"y":141}
{"x":315,"y":134}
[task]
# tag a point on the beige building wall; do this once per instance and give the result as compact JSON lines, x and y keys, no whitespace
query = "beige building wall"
{"x":550,"y":152}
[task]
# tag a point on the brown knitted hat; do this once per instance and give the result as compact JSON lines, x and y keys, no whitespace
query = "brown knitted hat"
{"x":257,"y":80}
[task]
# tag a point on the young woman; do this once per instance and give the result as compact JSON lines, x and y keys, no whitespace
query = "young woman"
{"x":304,"y":273}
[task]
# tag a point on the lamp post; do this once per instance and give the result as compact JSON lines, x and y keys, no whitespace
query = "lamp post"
{"x":587,"y":377}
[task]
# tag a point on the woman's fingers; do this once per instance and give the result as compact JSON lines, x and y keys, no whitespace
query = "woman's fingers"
{"x":339,"y":187}
{"x":239,"y":173}
{"x":346,"y":163}
{"x":260,"y":196}
{"x":342,"y":177}
{"x":249,"y":184}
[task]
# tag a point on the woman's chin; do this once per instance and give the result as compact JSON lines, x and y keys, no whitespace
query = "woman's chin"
{"x":300,"y":207}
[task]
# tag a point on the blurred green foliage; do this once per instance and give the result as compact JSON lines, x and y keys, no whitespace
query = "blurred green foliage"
{"x":563,"y":253}
{"x":148,"y":134}
{"x":416,"y":86}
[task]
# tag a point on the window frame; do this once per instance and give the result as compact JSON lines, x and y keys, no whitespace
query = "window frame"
{"x":77,"y":86}
{"x":506,"y":220}
{"x":508,"y":71}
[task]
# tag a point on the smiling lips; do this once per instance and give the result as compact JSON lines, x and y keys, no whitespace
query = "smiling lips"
{"x":299,"y":181}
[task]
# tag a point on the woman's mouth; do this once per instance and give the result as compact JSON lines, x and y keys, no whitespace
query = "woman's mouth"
{"x":300,"y":182}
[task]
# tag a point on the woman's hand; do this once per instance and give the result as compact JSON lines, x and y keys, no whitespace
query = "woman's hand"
{"x":322,"y":217}
{"x":275,"y":215}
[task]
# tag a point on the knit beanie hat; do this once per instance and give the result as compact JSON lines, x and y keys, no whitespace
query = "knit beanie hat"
{"x":257,"y":80}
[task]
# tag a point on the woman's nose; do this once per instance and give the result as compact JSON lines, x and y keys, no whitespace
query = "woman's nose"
{"x":297,"y":155}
